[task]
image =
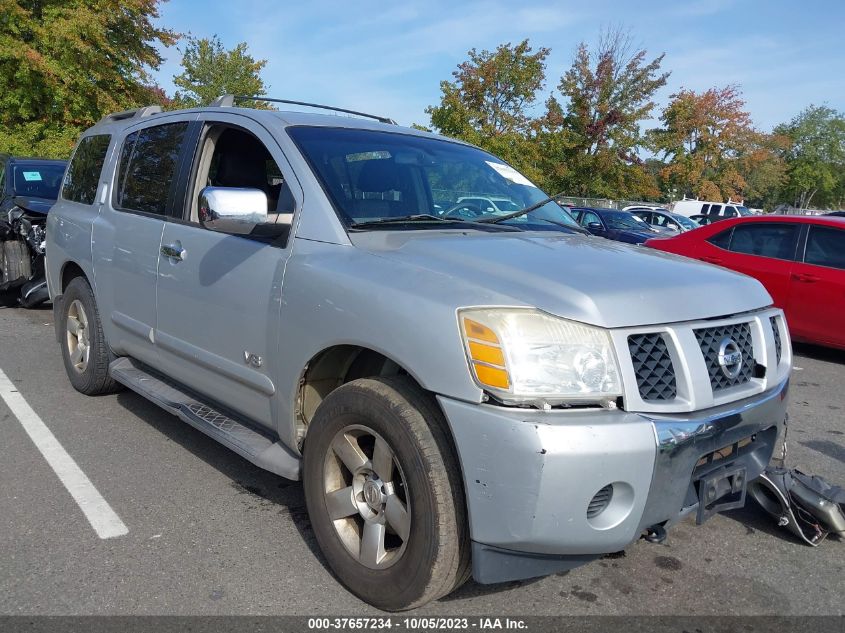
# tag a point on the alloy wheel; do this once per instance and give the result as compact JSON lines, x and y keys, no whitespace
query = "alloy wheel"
{"x":366,"y":497}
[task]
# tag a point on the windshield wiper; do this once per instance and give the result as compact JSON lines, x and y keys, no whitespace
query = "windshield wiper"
{"x":516,"y":214}
{"x":419,"y":218}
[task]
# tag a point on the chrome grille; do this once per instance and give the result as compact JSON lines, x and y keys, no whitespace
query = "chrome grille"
{"x":776,"y":332}
{"x":710,"y":339}
{"x":600,"y":501}
{"x":653,"y":367}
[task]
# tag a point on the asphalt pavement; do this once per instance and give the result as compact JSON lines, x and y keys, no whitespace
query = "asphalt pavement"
{"x":208,"y":533}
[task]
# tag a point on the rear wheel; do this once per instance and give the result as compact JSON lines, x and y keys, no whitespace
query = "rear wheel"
{"x":84,"y":350}
{"x":383,"y":490}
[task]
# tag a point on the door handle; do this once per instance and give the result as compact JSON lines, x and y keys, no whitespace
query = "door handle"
{"x":805,"y":277}
{"x":174,"y":251}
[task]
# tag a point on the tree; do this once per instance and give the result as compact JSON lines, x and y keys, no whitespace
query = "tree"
{"x":815,"y":157}
{"x":209,"y":70}
{"x":712,"y":149}
{"x":64,"y":64}
{"x":592,"y":139}
{"x":489,"y":102}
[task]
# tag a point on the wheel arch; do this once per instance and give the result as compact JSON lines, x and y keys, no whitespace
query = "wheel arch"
{"x":335,"y":366}
{"x":70,"y":271}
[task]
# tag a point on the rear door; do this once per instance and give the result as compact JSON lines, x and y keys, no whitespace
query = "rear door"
{"x":218,"y":304}
{"x":763,"y":250}
{"x":816,"y":308}
{"x":127,"y":234}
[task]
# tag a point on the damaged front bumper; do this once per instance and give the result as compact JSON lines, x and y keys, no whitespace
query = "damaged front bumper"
{"x":548,"y":491}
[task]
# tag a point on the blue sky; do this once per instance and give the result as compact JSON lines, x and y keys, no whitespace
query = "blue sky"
{"x":389,"y":57}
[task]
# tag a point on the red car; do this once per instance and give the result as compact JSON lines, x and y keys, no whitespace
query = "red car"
{"x":799,"y":259}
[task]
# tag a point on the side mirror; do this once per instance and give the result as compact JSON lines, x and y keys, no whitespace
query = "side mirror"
{"x":231,"y":209}
{"x":595,"y":226}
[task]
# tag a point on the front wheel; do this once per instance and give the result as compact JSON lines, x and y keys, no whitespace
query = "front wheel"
{"x":383,"y":490}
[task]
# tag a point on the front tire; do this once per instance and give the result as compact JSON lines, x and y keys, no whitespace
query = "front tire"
{"x":384,"y":494}
{"x":84,"y":349}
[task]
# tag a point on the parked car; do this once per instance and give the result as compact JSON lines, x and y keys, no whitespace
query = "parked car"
{"x":28,"y":188}
{"x":800,"y":260}
{"x":613,"y":224}
{"x":459,"y":396}
{"x":666,"y":220}
{"x":704,"y":207}
{"x":840,"y":214}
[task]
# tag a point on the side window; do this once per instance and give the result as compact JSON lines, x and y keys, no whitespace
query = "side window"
{"x":83,"y":173}
{"x":148,"y":166}
{"x":730,"y":212}
{"x":705,"y":208}
{"x":825,"y":247}
{"x":588,"y":218}
{"x":232,"y":157}
{"x":722,"y":240}
{"x":765,"y":240}
{"x":714,"y":209}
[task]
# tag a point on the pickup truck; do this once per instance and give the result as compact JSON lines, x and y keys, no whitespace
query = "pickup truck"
{"x":461,"y":392}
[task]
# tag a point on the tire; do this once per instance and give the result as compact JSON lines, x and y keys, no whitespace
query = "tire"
{"x":16,"y":263}
{"x":424,"y":558}
{"x":84,"y":350}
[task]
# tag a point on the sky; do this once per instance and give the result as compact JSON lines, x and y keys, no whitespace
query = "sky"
{"x":388,"y":58}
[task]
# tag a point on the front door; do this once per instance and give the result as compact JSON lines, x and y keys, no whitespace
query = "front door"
{"x":816,"y":309}
{"x":219,"y":298}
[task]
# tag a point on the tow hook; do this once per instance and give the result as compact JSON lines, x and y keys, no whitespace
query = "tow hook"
{"x":655,"y":534}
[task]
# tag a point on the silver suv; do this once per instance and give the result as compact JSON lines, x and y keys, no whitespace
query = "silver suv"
{"x":461,"y":392}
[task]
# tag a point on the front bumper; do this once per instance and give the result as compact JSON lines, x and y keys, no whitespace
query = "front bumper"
{"x":530,"y":475}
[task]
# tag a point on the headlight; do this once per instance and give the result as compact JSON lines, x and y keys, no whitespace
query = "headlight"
{"x":526,"y":356}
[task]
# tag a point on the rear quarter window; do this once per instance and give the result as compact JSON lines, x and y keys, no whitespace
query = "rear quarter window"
{"x":83,"y":173}
{"x":722,"y":240}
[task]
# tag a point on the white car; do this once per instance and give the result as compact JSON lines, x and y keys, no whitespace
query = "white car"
{"x":721,"y":210}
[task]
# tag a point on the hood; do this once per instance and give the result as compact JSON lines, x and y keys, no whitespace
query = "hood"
{"x":587,"y":279}
{"x":34,"y":205}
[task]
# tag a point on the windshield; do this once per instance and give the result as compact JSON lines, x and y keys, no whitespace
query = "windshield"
{"x":37,"y":181}
{"x":684,"y":221}
{"x":372,"y":175}
{"x":744,"y":211}
{"x":624,"y":221}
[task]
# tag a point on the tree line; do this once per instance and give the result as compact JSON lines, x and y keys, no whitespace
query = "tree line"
{"x":588,"y":138}
{"x":65,"y":63}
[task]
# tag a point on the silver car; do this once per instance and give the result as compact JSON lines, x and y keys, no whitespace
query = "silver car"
{"x":461,"y":393}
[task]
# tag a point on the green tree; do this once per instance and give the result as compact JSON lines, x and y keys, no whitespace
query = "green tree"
{"x":489,"y":101}
{"x":209,"y":70}
{"x":815,"y":157}
{"x":65,"y":63}
{"x":592,"y":139}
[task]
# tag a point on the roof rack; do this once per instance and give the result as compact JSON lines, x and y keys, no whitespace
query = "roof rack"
{"x":227,"y":101}
{"x":137,"y":113}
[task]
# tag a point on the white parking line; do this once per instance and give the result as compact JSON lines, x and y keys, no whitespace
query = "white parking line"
{"x":102,"y":518}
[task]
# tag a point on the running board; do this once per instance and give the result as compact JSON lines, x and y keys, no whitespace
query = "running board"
{"x":249,"y":443}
